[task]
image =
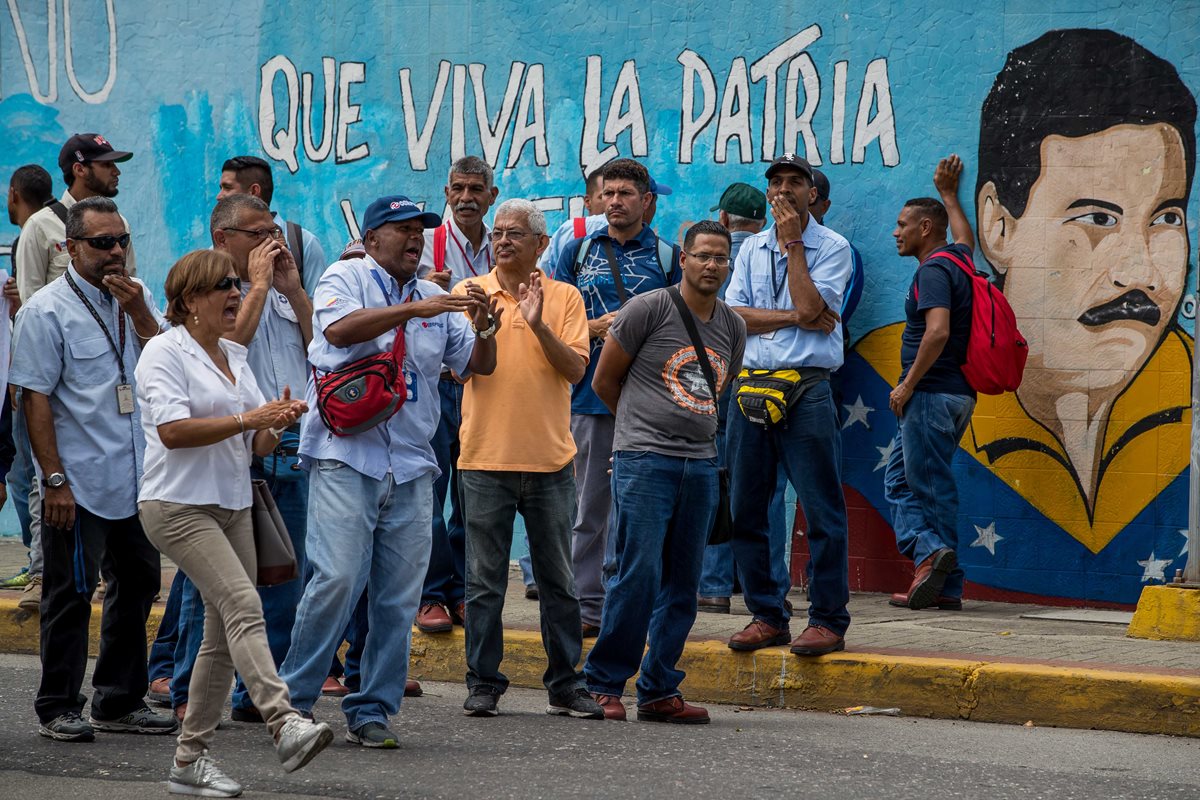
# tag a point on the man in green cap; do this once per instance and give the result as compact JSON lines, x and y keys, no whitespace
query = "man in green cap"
{"x":743,"y":213}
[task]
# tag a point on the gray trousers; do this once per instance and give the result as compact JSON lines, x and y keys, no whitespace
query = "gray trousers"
{"x":593,"y":434}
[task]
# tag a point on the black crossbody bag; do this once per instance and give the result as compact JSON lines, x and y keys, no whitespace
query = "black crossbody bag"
{"x":722,"y":529}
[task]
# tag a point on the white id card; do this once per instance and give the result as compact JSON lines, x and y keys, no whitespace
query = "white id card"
{"x":124,"y":398}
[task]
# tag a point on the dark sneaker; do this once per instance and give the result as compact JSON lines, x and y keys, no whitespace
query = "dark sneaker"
{"x":142,"y":720}
{"x":202,"y":778}
{"x":373,"y":734}
{"x":300,"y":740}
{"x":69,"y":727}
{"x":578,"y":703}
{"x":249,"y":714}
{"x":482,"y":702}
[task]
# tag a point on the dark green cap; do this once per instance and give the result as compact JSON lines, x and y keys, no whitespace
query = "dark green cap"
{"x":743,"y":200}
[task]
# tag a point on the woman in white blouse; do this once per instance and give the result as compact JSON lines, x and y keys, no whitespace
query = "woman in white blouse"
{"x":203,"y":417}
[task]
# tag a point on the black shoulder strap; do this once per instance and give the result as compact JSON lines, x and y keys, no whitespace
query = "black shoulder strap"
{"x":689,"y":322}
{"x":59,"y":209}
{"x":295,"y":239}
{"x":616,"y":272}
{"x":13,"y":254}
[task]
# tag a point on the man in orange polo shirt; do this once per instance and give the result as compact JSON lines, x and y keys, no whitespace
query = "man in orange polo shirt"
{"x":515,"y":455}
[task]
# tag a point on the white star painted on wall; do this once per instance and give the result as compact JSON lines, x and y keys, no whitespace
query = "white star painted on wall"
{"x":1152,"y":568}
{"x":857,"y":412}
{"x":987,"y":537}
{"x":884,"y":454}
{"x":1187,"y":538}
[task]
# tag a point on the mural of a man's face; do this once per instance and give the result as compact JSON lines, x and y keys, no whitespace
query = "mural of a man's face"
{"x":1095,"y":266}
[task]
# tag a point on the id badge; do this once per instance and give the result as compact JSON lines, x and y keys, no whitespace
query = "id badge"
{"x":769,"y":335}
{"x":410,"y":384}
{"x":124,"y":398}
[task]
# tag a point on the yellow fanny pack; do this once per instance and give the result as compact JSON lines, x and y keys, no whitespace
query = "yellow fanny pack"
{"x":764,"y":395}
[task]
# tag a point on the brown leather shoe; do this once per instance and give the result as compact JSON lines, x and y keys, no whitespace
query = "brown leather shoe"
{"x":590,"y":631}
{"x":159,"y":692}
{"x":413,"y":688}
{"x":434,"y":618}
{"x":672,"y":709}
{"x":818,"y":641}
{"x":713,"y":605}
{"x":942,"y":602}
{"x":332,"y":687}
{"x":458,"y":614}
{"x":614,"y":709}
{"x":758,"y":635}
{"x":930,"y":577}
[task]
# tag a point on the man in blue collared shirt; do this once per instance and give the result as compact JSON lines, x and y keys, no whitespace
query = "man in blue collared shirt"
{"x":371,"y":493}
{"x":628,"y":248}
{"x":76,"y":345}
{"x":787,"y":282}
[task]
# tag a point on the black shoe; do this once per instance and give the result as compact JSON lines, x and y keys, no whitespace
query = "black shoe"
{"x":578,"y":703}
{"x":482,"y":701}
{"x":140,"y":720}
{"x":250,"y":714}
{"x":69,"y":727}
{"x":531,"y":592}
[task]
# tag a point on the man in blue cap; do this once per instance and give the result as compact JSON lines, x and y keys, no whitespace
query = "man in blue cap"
{"x":371,"y":493}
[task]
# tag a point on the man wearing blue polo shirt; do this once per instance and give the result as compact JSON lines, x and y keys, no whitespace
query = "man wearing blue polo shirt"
{"x":786,"y":283}
{"x":609,"y":266}
{"x":370,"y":511}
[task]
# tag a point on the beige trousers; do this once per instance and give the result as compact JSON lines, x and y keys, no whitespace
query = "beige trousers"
{"x":215,"y":548}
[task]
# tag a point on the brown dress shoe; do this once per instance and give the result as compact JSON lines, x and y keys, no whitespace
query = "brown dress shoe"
{"x":713,"y":605}
{"x":818,"y":641}
{"x":930,"y":577}
{"x":332,"y":687}
{"x":942,"y":602}
{"x":434,"y":618}
{"x":590,"y":631}
{"x":758,"y":635}
{"x":413,"y":688}
{"x":458,"y":614}
{"x":614,"y":709}
{"x":159,"y":692}
{"x":672,"y":709}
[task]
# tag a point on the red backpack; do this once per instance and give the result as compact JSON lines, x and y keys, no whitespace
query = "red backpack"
{"x":996,"y":350}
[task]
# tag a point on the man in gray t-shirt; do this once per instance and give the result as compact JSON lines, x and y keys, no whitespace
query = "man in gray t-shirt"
{"x":665,"y":482}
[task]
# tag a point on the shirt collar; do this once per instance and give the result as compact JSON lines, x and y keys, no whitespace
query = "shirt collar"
{"x":235,"y":352}
{"x":66,"y":199}
{"x":89,"y":291}
{"x":646,"y":237}
{"x":388,"y":278}
{"x":462,"y":237}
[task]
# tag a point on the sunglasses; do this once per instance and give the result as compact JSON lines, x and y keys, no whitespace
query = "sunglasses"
{"x":227,"y":283}
{"x":106,"y":242}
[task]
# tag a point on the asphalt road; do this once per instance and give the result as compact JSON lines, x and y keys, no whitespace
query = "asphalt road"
{"x":525,"y":754}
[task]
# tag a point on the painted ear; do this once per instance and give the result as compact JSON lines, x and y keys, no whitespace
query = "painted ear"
{"x":995,"y":225}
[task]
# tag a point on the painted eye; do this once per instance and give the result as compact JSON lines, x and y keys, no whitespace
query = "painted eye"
{"x":1172,"y":218}
{"x":1100,"y":219}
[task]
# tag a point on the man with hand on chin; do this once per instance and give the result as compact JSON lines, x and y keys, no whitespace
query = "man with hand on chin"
{"x":76,"y":345}
{"x":371,"y":493}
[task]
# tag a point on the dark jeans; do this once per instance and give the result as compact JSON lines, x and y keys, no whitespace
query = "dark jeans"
{"x":664,"y":508}
{"x":162,"y":652}
{"x":546,"y":500}
{"x":444,"y":580}
{"x":809,"y":449}
{"x":73,"y":560}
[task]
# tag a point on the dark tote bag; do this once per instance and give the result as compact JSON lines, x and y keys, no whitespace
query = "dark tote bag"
{"x":722,"y":529}
{"x":272,"y":544}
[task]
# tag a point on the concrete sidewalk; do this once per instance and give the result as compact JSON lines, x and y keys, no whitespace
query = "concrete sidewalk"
{"x":994,"y":662}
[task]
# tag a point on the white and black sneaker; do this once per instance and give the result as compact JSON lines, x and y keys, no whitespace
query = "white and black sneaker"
{"x":482,"y":701}
{"x":68,"y":727}
{"x":576,"y":703}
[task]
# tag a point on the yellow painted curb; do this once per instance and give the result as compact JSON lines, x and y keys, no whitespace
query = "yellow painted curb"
{"x":1167,"y":613}
{"x":20,"y":633}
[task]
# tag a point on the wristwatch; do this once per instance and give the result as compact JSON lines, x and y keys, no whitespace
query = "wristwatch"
{"x":55,"y":480}
{"x":487,"y":332}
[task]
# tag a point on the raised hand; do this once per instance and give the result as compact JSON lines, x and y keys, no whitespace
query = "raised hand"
{"x":261,"y":268}
{"x":789,"y":226}
{"x":285,"y":276}
{"x":946,"y":175}
{"x":442,"y":279}
{"x":530,"y":300}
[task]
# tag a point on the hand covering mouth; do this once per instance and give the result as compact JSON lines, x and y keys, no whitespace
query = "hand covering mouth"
{"x":1134,"y":305}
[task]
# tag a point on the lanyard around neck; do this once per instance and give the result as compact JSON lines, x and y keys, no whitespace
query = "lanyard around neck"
{"x":107,"y":334}
{"x":466,"y":259}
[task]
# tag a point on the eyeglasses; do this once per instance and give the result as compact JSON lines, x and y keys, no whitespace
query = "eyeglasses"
{"x":709,"y":258}
{"x":258,"y":235}
{"x":105,"y":242}
{"x":512,"y":236}
{"x":227,"y":283}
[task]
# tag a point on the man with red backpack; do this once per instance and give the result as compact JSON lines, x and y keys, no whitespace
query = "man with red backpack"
{"x":934,"y":400}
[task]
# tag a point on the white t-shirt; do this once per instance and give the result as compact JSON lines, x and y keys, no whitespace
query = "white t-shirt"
{"x":177,"y":380}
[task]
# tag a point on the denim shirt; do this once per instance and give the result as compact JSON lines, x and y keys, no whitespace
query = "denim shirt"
{"x":400,"y":445}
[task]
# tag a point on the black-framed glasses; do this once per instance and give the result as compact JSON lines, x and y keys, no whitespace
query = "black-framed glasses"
{"x":709,"y":258}
{"x":512,"y":236}
{"x":106,"y":242}
{"x":227,"y":283}
{"x":258,"y":235}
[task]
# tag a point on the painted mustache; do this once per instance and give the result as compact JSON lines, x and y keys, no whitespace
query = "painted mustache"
{"x":1134,"y":304}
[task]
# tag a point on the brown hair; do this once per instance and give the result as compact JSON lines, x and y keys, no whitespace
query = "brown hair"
{"x":197,"y":272}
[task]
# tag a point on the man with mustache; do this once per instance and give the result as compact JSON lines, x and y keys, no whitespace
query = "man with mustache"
{"x":75,"y":348}
{"x":461,"y":247}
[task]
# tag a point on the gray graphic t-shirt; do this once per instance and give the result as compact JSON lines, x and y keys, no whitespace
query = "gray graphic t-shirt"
{"x":666,"y":406}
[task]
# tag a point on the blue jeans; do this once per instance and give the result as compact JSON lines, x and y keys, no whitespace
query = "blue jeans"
{"x":664,"y":508}
{"x":360,"y":530}
{"x":809,"y":448}
{"x":918,"y":482}
{"x":547,"y":502}
{"x":447,"y":557}
{"x":20,"y":480}
{"x":162,"y":652}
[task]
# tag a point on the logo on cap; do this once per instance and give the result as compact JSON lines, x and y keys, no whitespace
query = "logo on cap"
{"x":79,"y":155}
{"x":788,"y":157}
{"x":395,"y":205}
{"x":401,"y":204}
{"x":100,"y":140}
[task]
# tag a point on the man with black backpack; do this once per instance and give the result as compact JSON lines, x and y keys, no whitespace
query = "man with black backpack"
{"x":609,"y":266}
{"x":933,"y":400}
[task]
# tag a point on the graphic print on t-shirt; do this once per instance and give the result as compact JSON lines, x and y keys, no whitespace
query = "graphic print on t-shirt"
{"x":685,"y":379}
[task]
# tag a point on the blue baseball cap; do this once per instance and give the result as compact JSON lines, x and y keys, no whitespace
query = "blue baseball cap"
{"x":659,"y":188}
{"x":396,"y":208}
